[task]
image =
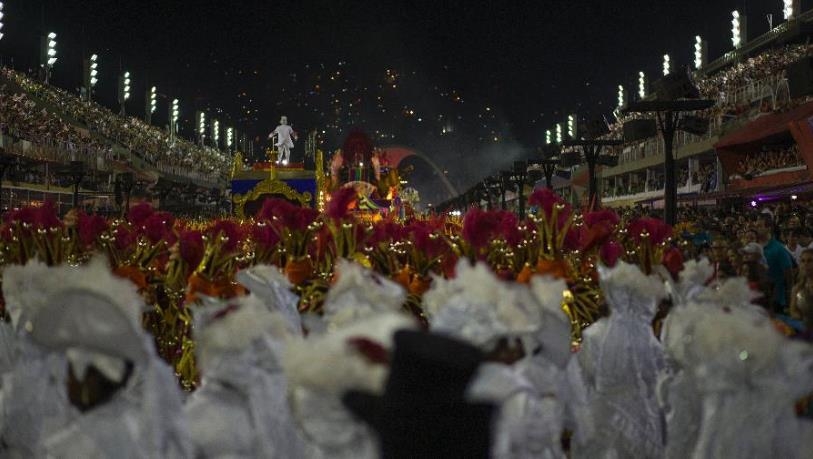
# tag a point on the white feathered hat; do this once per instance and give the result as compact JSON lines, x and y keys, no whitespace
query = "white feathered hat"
{"x":274,"y":290}
{"x":360,"y":292}
{"x":480,"y":308}
{"x":329,"y":364}
{"x":91,"y":314}
{"x":229,"y":327}
{"x":554,"y":328}
{"x":625,"y":286}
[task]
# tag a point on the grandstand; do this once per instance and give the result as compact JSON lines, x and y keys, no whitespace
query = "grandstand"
{"x":44,"y":128}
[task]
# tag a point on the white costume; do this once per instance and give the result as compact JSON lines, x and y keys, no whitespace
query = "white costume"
{"x":678,"y":392}
{"x":285,"y":135}
{"x":241,"y":408}
{"x":621,"y":358}
{"x":322,"y":367}
{"x":749,"y":378}
{"x":477,"y":307}
{"x":94,"y":319}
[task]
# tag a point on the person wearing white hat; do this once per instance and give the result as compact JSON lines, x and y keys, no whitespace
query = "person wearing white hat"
{"x":620,"y":359}
{"x":346,"y":349}
{"x":503,"y":320}
{"x":125,"y":400}
{"x":285,"y":136}
{"x":241,"y":408}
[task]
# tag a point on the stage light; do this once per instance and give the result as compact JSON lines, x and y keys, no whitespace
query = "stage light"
{"x":216,"y":132}
{"x":547,"y":137}
{"x":229,"y":137}
{"x":793,"y":197}
{"x":641,"y":85}
{"x":667,"y":65}
{"x":620,"y":96}
{"x":736,"y":29}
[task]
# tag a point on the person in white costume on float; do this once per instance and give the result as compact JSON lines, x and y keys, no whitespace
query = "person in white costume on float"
{"x":285,"y":136}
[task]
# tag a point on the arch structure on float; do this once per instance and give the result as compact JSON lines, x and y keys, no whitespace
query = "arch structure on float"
{"x":397,"y":153}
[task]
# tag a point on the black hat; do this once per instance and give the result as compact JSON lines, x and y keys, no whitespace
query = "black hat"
{"x":423,"y":412}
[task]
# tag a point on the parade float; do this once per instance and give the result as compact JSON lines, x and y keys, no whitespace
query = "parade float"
{"x":372,"y":172}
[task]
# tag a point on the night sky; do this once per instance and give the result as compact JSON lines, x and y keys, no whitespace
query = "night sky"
{"x":471,"y":84}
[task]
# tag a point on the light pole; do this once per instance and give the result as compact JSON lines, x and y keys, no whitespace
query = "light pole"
{"x":48,"y":55}
{"x":549,"y":161}
{"x":89,"y":80}
{"x":591,"y":150}
{"x":1,"y":20}
{"x":676,"y":94}
{"x":124,"y":91}
{"x":152,"y":104}
{"x":173,"y":118}
{"x":216,"y":132}
{"x":201,"y":126}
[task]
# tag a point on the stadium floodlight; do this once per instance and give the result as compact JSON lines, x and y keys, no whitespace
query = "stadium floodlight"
{"x":176,"y":110}
{"x":548,"y":137}
{"x":620,"y":96}
{"x":216,"y":132}
{"x":558,"y":132}
{"x":201,"y":122}
{"x":174,"y":113}
{"x":124,"y":91}
{"x":51,"y":49}
{"x":641,"y":85}
{"x":571,"y":126}
{"x":667,"y":65}
{"x":700,"y":48}
{"x":736,"y":29}
{"x":787,"y":9}
{"x":1,"y":20}
{"x":94,"y":70}
{"x":229,"y":137}
{"x":153,"y":99}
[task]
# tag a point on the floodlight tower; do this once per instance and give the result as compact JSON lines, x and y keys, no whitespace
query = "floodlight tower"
{"x":667,"y":65}
{"x":229,"y":138}
{"x":124,"y":91}
{"x":173,"y":118}
{"x":738,"y":35}
{"x":152,"y":104}
{"x":571,"y":126}
{"x":216,"y":133}
{"x":47,"y":55}
{"x":700,"y":52}
{"x":91,"y":71}
{"x":1,"y":20}
{"x":641,"y":85}
{"x":200,"y":122}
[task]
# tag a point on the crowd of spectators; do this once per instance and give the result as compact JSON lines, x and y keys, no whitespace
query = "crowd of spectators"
{"x":764,"y":243}
{"x":154,"y":145}
{"x":755,"y":164}
{"x":21,"y":119}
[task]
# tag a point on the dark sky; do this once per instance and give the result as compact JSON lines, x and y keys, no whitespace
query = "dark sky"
{"x":495,"y":75}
